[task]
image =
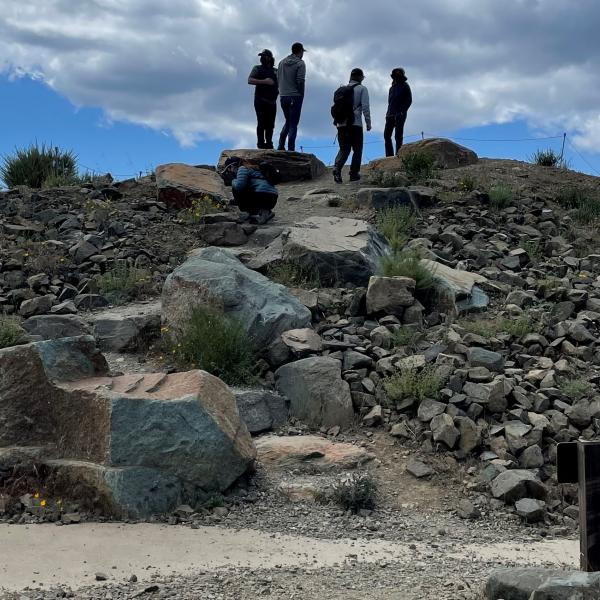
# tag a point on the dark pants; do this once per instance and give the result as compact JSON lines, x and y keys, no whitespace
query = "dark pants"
{"x":350,"y":139}
{"x":265,"y":117}
{"x":391,"y":124}
{"x":291,"y":107}
{"x":253,"y":202}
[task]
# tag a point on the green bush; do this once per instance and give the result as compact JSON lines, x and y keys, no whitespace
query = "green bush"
{"x":36,"y":165}
{"x":405,"y":337}
{"x":588,"y":212}
{"x":413,"y":384}
{"x":467,"y":183}
{"x":386,"y":179}
{"x":534,"y":249}
{"x":395,"y":223}
{"x":11,"y":333}
{"x":293,"y":275}
{"x":571,"y":197}
{"x":490,"y":328}
{"x":501,"y":196}
{"x":576,"y":389}
{"x":546,"y":158}
{"x":124,"y":282}
{"x":418,"y":166}
{"x":356,"y":492}
{"x":406,"y":263}
{"x":212,"y":342}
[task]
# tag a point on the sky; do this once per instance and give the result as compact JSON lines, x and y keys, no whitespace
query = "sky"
{"x":130,"y":84}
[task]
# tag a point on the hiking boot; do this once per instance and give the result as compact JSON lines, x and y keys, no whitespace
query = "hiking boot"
{"x":354,"y":177}
{"x":261,"y":217}
{"x":337,"y":177}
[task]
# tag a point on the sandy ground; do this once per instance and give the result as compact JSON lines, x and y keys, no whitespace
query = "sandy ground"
{"x":46,"y":555}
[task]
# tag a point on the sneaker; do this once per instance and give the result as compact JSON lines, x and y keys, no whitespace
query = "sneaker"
{"x":261,"y":217}
{"x":337,"y":177}
{"x":354,"y":177}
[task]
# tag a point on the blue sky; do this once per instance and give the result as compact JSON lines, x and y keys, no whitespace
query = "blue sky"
{"x":130,"y":84}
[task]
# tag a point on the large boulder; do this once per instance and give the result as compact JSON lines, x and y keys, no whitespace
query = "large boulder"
{"x":517,"y":584}
{"x":178,"y":185}
{"x":317,"y":393}
{"x":447,"y":155}
{"x":50,"y":327}
{"x":292,"y":166}
{"x":337,"y":250}
{"x":390,"y":295}
{"x":214,"y":276}
{"x":515,"y":484}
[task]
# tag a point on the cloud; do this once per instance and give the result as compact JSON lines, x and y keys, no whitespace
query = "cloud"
{"x":181,"y":65}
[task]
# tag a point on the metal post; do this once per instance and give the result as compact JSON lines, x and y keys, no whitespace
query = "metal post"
{"x":422,"y":135}
{"x":562,"y":150}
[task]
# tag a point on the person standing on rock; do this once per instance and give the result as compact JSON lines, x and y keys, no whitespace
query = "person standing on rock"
{"x":264,"y":78}
{"x":291,"y":74}
{"x":399,"y":101}
{"x":350,"y":103}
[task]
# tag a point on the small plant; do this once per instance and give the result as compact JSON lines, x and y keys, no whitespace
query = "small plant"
{"x":406,"y":263}
{"x":292,"y":274}
{"x":576,"y":389}
{"x":124,"y":280}
{"x":405,"y":337}
{"x":501,"y":196}
{"x":490,"y":328}
{"x":534,"y":249}
{"x":418,"y":166}
{"x":212,"y":342}
{"x":34,"y":165}
{"x":11,"y":333}
{"x":588,"y":212}
{"x":213,"y":501}
{"x":546,"y":158}
{"x":394,"y":224}
{"x":467,"y":183}
{"x":200,"y":208}
{"x":41,"y":257}
{"x":413,"y":384}
{"x":387,"y":179}
{"x":356,"y":492}
{"x":571,"y":197}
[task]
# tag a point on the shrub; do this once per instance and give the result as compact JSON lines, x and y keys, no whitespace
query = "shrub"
{"x":212,"y":342}
{"x":387,"y":179}
{"x":405,"y":336}
{"x":489,"y":328}
{"x":42,"y":257}
{"x":200,"y":208}
{"x":418,"y":166}
{"x":413,"y":384}
{"x":501,"y":196}
{"x":467,"y":183}
{"x":588,"y":211}
{"x":546,"y":158}
{"x":571,"y":197}
{"x":406,"y":263}
{"x":534,"y":249}
{"x":11,"y":333}
{"x":125,"y":281}
{"x":395,"y":223}
{"x":356,"y":492}
{"x":576,"y":389}
{"x":35,"y":165}
{"x":292,"y":274}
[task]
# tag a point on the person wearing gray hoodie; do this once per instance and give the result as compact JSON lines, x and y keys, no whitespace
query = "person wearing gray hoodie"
{"x":291,"y":74}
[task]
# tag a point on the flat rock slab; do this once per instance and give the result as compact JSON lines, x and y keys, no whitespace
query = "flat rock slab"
{"x":309,"y":453}
{"x":517,"y":584}
{"x":179,"y":184}
{"x":292,"y":166}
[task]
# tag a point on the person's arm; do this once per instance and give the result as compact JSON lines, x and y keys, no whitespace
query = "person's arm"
{"x":252,"y":79}
{"x":407,"y":98}
{"x":366,"y":108}
{"x":301,"y":77}
{"x":242,"y":179}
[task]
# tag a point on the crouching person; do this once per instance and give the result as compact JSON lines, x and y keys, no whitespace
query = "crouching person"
{"x":254,"y":190}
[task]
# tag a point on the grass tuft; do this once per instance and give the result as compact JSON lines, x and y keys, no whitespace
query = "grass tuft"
{"x":355,"y":493}
{"x":129,"y":282}
{"x":387,"y":179}
{"x":418,"y":166}
{"x":576,"y":389}
{"x":406,"y":263}
{"x":395,"y":223}
{"x":501,"y":196}
{"x":293,"y":275}
{"x":547,"y":158}
{"x":490,"y":328}
{"x":413,"y":384}
{"x":11,"y":333}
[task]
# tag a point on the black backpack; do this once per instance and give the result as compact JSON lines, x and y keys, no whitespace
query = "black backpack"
{"x":342,"y":109}
{"x":270,"y":173}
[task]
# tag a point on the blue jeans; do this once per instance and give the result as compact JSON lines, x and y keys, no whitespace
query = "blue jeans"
{"x":291,"y":107}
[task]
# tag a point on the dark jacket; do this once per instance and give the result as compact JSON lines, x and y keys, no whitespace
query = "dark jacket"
{"x":252,"y":180}
{"x":399,"y":99}
{"x":268,"y":93}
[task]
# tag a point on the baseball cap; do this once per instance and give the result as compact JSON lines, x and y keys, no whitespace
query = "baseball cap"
{"x":266,"y":52}
{"x":297,"y":47}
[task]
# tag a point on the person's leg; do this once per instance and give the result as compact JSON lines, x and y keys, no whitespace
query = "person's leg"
{"x":285,"y":108}
{"x":243,"y":199}
{"x":400,"y":120}
{"x":387,"y":135}
{"x":295,"y":111}
{"x":343,"y":153}
{"x":356,"y":140}
{"x":260,"y":126}
{"x":265,"y":201}
{"x":270,"y":114}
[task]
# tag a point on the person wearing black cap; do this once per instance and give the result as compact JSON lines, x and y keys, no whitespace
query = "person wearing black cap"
{"x":264,"y":77}
{"x":291,"y":74}
{"x":399,"y":101}
{"x":350,"y":126}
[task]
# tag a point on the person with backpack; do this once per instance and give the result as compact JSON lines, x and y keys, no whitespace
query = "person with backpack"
{"x":264,"y":78}
{"x":399,"y":101}
{"x":291,"y":74}
{"x":350,"y":103}
{"x":253,"y":187}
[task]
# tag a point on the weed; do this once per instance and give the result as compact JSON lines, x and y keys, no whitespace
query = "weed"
{"x":387,"y":179}
{"x":292,"y":274}
{"x":34,"y":165}
{"x":212,"y":342}
{"x":467,"y":183}
{"x":490,"y":328}
{"x":11,"y":333}
{"x":501,"y":196}
{"x":588,"y":212}
{"x":534,"y":249}
{"x":571,"y":197}
{"x":418,"y":166}
{"x":200,"y":208}
{"x":406,"y":263}
{"x":413,"y":384}
{"x":395,"y":223}
{"x":547,"y":158}
{"x":41,"y":257}
{"x":576,"y":389}
{"x":125,"y":281}
{"x":356,"y":492}
{"x":405,"y":337}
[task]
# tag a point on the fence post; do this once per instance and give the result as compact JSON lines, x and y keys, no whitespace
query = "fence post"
{"x":562,"y":150}
{"x":422,"y":135}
